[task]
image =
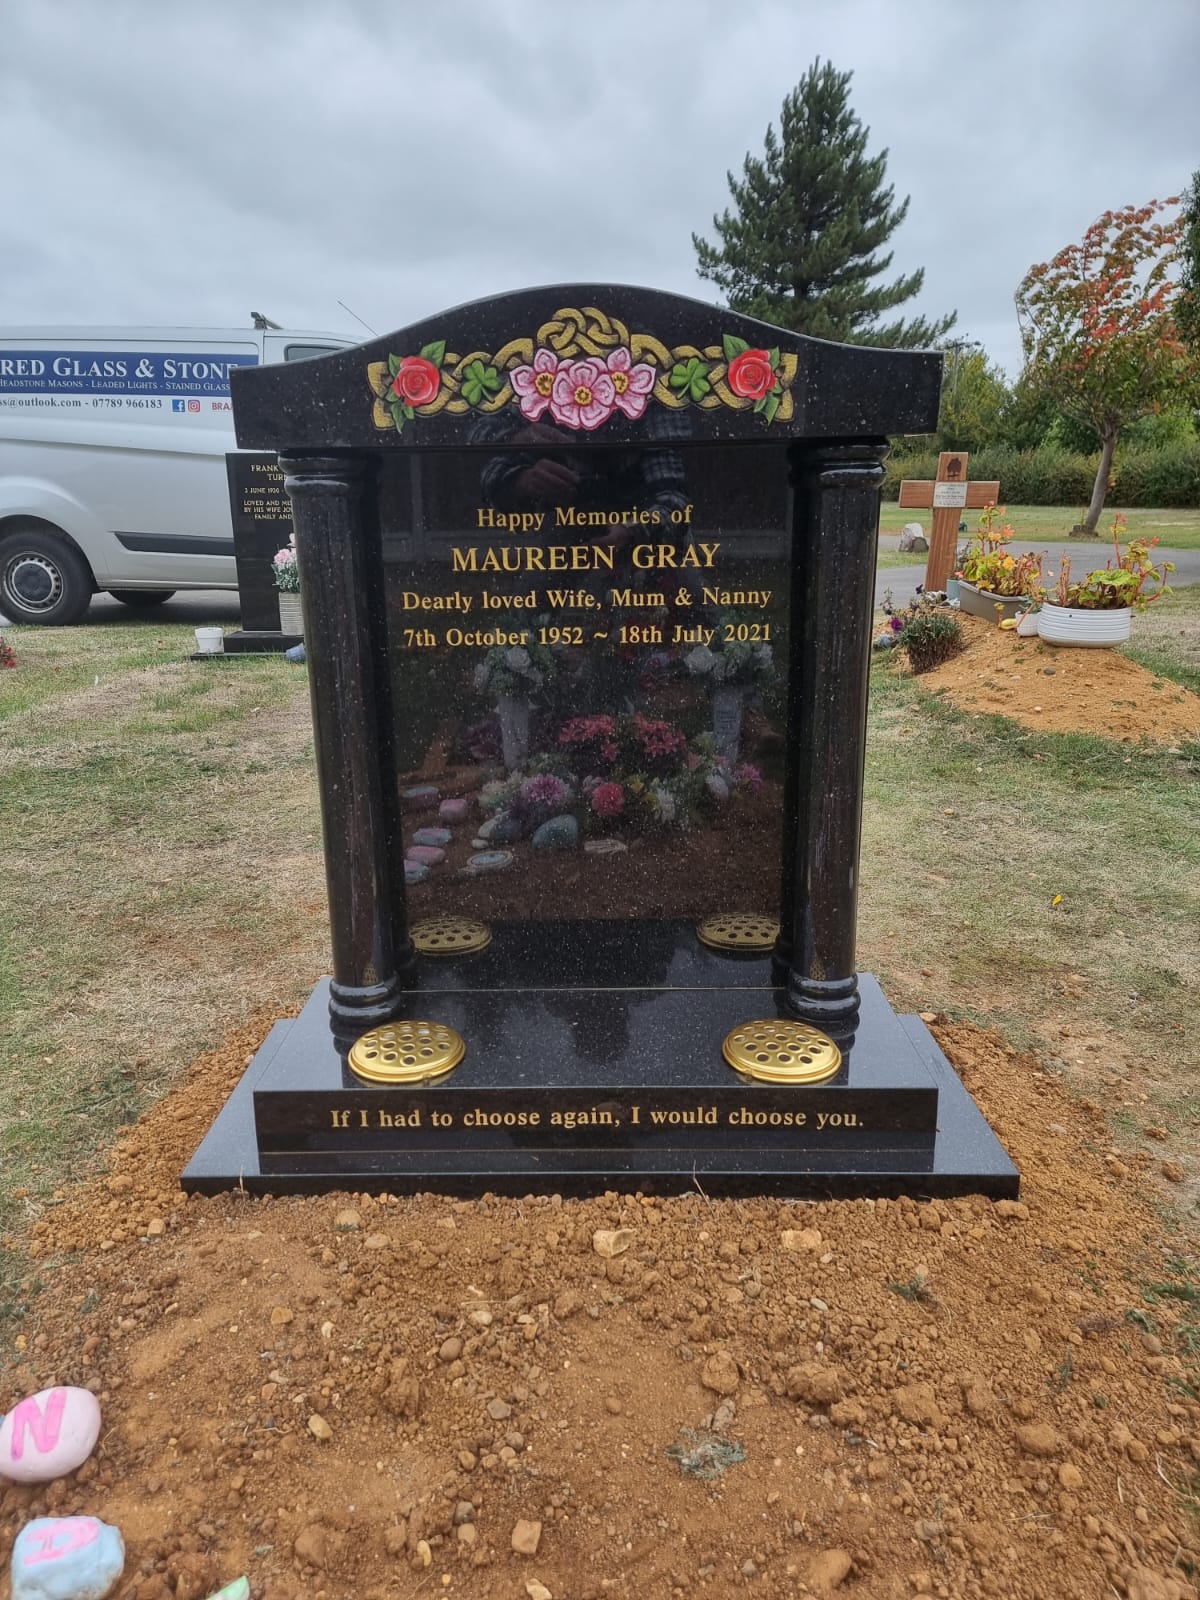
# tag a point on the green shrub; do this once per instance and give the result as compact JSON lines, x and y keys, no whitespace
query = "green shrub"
{"x":1052,"y":476}
{"x":931,"y":638}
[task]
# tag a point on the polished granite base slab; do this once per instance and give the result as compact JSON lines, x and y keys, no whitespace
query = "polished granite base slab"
{"x":578,"y":1091}
{"x":259,"y":641}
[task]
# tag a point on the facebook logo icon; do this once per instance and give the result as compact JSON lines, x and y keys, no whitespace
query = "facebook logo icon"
{"x":178,"y":405}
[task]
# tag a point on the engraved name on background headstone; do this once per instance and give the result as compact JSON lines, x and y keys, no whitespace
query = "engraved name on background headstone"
{"x":588,"y":577}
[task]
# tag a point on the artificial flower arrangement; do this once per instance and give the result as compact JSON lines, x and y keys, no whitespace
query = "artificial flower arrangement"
{"x":629,"y":772}
{"x":8,"y":656}
{"x":988,"y":565}
{"x":285,"y":570}
{"x":737,"y":664}
{"x":518,"y":671}
{"x":1134,"y":580}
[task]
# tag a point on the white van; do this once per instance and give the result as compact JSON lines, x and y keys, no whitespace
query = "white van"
{"x":112,"y":461}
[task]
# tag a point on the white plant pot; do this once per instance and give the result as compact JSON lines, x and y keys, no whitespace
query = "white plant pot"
{"x":210,"y":641}
{"x":1027,"y":624}
{"x":1073,"y":625}
{"x":291,"y":617}
{"x":514,"y":731}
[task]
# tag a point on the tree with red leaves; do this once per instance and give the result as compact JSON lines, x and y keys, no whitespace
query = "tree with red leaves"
{"x":1099,"y":330}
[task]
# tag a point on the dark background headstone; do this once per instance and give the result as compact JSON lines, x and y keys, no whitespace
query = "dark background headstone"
{"x":262,"y":525}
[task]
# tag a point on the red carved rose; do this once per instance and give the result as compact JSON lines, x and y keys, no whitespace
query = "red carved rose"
{"x":750,"y":374}
{"x":417,"y":381}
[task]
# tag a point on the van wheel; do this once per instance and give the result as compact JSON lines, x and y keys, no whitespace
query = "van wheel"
{"x":42,"y":579}
{"x":140,"y":598}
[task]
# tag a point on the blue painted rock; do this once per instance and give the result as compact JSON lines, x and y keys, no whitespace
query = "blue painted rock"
{"x":490,"y":861}
{"x":414,"y":872}
{"x":425,"y":855}
{"x":421,"y":797}
{"x":67,"y":1558}
{"x":717,"y":787}
{"x":454,"y":810}
{"x":560,"y":833}
{"x":503,"y":830}
{"x":605,"y":847}
{"x":49,"y":1434}
{"x":437,"y":837}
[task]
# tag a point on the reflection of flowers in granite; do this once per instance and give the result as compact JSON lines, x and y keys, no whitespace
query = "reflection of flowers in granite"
{"x":515,"y":671}
{"x":658,"y":741}
{"x":590,"y":739}
{"x":608,"y":799}
{"x":747,"y":776}
{"x":534,"y":384}
{"x":583,"y":395}
{"x":737,"y":663}
{"x":632,"y":384}
{"x":544,"y":793}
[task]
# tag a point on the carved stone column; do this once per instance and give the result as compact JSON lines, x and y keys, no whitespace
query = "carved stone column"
{"x":341,"y":590}
{"x":835,"y":527}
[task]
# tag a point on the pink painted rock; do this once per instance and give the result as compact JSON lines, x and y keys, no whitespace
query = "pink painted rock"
{"x":49,"y":1434}
{"x":454,"y":810}
{"x":426,"y":855}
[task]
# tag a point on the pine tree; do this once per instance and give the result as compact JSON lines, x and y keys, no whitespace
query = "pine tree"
{"x":799,"y":248}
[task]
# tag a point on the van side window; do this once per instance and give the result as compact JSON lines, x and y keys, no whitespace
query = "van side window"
{"x":305,"y":352}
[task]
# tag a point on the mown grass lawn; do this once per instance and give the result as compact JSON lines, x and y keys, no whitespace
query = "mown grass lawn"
{"x":1179,"y":529}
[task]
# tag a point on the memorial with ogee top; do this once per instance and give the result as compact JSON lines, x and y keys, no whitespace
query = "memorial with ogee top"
{"x":587,"y":575}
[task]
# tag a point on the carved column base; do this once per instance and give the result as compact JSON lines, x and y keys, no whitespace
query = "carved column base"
{"x":830,"y":1004}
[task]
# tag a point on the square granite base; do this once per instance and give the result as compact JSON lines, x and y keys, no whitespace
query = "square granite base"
{"x":575,"y":1091}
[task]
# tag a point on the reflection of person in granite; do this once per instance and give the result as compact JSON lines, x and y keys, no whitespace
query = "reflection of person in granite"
{"x":641,"y":487}
{"x":544,"y":473}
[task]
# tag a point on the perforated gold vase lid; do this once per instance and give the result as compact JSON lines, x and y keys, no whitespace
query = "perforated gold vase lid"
{"x":449,"y":935}
{"x":407,"y":1052}
{"x":747,"y":931}
{"x":777,"y":1050}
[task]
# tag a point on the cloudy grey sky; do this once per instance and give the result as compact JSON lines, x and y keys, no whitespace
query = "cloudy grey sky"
{"x":184,"y":164}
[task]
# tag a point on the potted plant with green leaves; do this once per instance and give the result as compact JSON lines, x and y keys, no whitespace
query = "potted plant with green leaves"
{"x":287,"y":580}
{"x":1098,"y":609}
{"x":993,"y":583}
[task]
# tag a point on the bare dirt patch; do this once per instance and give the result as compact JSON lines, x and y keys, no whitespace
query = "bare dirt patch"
{"x":1064,"y":690}
{"x":898,"y":1399}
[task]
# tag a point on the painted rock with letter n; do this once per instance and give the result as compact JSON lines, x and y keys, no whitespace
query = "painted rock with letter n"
{"x":67,"y":1558}
{"x":49,"y":1434}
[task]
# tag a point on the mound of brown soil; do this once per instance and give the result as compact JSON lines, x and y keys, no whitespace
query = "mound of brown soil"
{"x":1062,"y":689}
{"x":374,"y":1397}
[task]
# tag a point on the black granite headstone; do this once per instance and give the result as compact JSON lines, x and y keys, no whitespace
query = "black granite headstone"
{"x":587,"y":582}
{"x":262,"y":525}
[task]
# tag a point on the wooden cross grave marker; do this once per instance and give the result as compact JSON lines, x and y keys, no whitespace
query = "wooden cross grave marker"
{"x":949,"y":494}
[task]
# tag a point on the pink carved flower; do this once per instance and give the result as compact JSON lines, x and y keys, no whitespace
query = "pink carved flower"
{"x":631,"y":385}
{"x":584,"y":394}
{"x":534,"y":384}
